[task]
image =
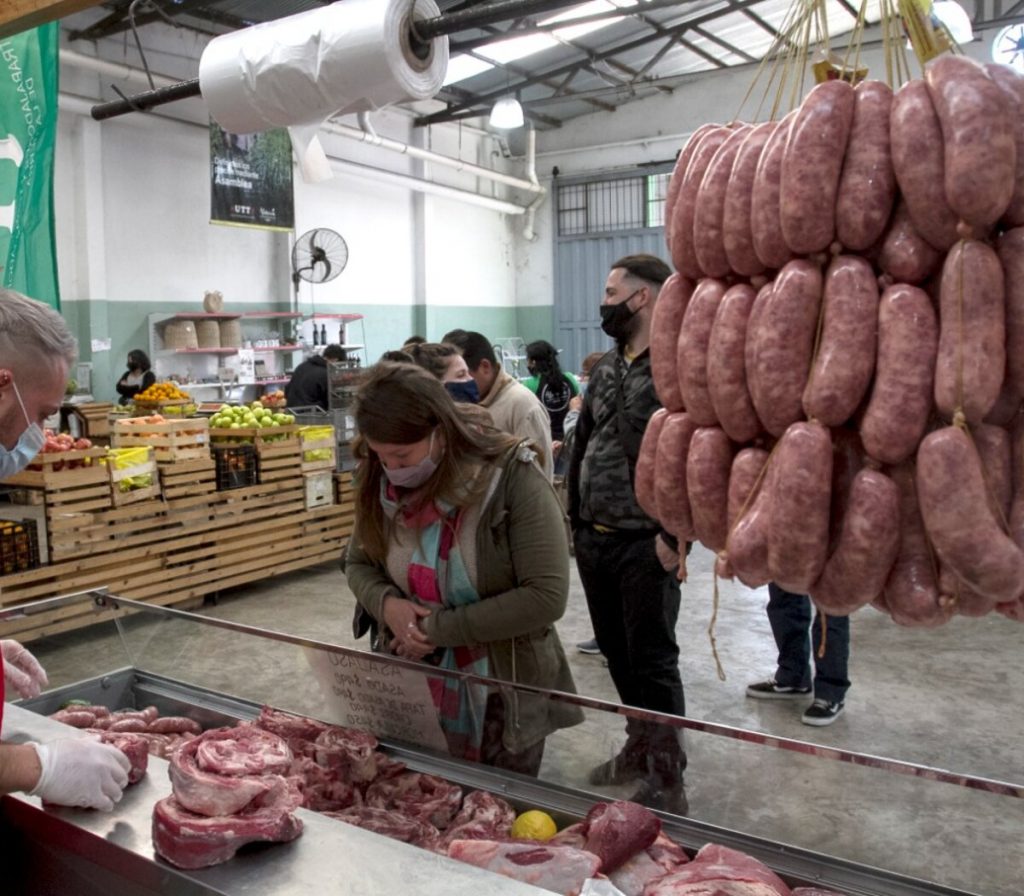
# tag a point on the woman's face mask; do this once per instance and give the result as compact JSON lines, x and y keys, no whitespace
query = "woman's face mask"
{"x":414,"y":476}
{"x":30,"y":443}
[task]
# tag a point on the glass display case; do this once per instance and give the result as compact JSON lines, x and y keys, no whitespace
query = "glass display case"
{"x":218,"y":672}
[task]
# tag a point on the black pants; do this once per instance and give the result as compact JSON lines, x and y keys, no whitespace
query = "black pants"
{"x":634,"y":605}
{"x":790,"y":618}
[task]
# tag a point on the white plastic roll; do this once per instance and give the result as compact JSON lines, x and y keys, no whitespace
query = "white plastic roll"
{"x":352,"y":56}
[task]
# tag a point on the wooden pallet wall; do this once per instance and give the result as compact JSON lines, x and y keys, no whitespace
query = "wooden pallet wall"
{"x":178,"y":550}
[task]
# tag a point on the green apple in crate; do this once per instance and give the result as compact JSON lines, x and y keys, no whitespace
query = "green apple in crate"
{"x":253,"y":416}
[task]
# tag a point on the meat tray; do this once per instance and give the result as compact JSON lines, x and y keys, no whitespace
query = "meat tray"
{"x":106,"y":853}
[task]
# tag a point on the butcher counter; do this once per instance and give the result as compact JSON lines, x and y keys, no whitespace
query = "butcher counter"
{"x":168,"y":659}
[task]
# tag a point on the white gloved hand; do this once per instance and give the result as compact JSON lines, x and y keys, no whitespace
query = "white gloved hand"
{"x":81,"y":772}
{"x":22,"y":672}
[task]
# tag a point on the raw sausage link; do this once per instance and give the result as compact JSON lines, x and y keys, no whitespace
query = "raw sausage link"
{"x":765,"y":222}
{"x":727,"y":376}
{"x":781,"y":345}
{"x":959,"y":520}
{"x":848,"y":459}
{"x":917,"y":160}
{"x":958,"y":597}
{"x":670,"y":497}
{"x":841,"y":373}
{"x":811,"y":166}
{"x":737,"y":235}
{"x":692,"y":351}
{"x":857,"y":569}
{"x":751,"y":346}
{"x":743,"y":476}
{"x":978,"y":136}
{"x":174,"y":725}
{"x":646,"y":464}
{"x":867,"y":186}
{"x":911,"y":593}
{"x":901,"y":397}
{"x":971,"y":362}
{"x":665,"y":325}
{"x":1011,"y":255}
{"x":684,"y":257}
{"x":1011,"y":82}
{"x":801,"y":494}
{"x":708,"y":217}
{"x":993,"y":444}
{"x":676,"y":180}
{"x":1007,"y":406}
{"x":707,"y":485}
{"x":906,"y":256}
{"x":746,"y":548}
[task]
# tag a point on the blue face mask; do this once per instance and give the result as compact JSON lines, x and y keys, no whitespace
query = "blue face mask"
{"x":466,"y":392}
{"x":14,"y":460}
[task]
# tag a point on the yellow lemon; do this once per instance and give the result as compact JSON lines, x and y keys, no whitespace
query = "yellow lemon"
{"x":534,"y":825}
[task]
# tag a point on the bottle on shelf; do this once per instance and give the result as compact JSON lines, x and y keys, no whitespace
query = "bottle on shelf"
{"x":316,"y":335}
{"x":323,"y":333}
{"x":341,"y":333}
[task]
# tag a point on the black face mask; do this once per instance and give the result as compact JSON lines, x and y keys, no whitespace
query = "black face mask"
{"x":466,"y":392}
{"x":617,"y":320}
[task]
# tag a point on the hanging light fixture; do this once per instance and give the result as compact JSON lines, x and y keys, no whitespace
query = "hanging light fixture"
{"x":507,"y":113}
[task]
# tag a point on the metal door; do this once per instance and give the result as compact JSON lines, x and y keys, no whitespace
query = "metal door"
{"x":599,"y":220}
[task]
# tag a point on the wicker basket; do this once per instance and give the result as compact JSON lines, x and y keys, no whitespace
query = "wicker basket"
{"x":230,"y":334}
{"x":208,"y":333}
{"x":213,"y":301}
{"x":180,"y":334}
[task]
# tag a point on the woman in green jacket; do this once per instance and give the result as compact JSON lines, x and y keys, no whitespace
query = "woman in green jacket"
{"x":459,"y":551}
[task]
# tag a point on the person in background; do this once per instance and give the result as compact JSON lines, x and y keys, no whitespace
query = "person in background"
{"x":137,"y":378}
{"x":36,"y":353}
{"x":790,"y":617}
{"x":451,"y":552}
{"x":628,"y":565}
{"x":552,"y":386}
{"x":415,"y":339}
{"x":308,"y":384}
{"x":446,"y":363}
{"x":513,"y":407}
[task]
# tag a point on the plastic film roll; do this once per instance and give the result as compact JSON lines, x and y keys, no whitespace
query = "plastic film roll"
{"x":353,"y":56}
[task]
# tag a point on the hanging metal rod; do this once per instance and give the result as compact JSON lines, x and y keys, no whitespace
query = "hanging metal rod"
{"x":420,"y":33}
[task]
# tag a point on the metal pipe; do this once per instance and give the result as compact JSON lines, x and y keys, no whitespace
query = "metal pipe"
{"x":529,"y":234}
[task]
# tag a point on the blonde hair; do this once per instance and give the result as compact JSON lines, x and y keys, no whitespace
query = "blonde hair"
{"x":30,"y":330}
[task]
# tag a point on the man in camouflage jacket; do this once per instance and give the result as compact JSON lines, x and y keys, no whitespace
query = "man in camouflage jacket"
{"x":628,"y":565}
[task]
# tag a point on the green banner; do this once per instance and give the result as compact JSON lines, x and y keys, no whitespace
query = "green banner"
{"x":28,"y":134}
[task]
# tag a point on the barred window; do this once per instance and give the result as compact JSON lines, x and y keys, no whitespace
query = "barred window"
{"x":625,"y":203}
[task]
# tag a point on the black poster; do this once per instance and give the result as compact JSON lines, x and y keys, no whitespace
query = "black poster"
{"x":251,"y":179}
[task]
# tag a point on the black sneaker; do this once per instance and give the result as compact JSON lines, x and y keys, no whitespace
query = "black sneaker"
{"x":670,"y":798}
{"x":821,"y":713}
{"x":771,"y":690}
{"x":620,"y":769}
{"x":589,"y":647}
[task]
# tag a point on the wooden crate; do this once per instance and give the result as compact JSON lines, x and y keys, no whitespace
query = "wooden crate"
{"x":75,"y":489}
{"x":253,"y":435}
{"x":134,"y":495}
{"x":319,"y":489}
{"x":94,"y":418}
{"x":173,"y":440}
{"x":187,"y":478}
{"x":311,"y":443}
{"x":278,"y":461}
{"x":177,"y":407}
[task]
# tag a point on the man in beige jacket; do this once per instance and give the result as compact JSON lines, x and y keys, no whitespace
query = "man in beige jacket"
{"x":513,"y":407}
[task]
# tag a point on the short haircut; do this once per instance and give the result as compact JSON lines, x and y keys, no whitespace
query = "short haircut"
{"x":645,"y":267}
{"x":475,"y":347}
{"x":31,"y":332}
{"x":334,"y":352}
{"x":415,"y":339}
{"x":397,"y":356}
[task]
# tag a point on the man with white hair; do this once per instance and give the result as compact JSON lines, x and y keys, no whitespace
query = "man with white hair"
{"x":36,"y":353}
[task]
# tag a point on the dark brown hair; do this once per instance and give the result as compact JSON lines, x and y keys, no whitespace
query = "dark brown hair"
{"x":644,"y":267}
{"x":433,"y":357}
{"x":400,"y":404}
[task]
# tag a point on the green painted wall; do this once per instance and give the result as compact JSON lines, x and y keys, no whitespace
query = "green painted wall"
{"x":383,"y":327}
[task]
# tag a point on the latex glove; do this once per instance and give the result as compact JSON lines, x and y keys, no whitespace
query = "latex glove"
{"x":81,"y":772}
{"x":22,"y":672}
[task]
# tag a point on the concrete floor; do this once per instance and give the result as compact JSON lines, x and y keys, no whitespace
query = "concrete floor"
{"x":946,"y":699}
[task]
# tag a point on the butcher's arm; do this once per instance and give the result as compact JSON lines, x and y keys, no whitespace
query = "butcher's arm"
{"x":540,"y":560}
{"x":19,"y":768}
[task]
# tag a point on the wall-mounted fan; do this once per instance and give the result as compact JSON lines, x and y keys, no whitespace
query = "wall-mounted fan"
{"x":318,"y":255}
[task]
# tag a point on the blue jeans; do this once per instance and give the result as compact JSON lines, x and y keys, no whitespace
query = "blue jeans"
{"x":790,"y":618}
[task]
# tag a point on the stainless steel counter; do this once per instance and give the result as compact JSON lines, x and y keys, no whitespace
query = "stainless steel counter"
{"x":100,"y":852}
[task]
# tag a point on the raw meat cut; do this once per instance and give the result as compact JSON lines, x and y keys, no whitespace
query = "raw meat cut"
{"x":662,"y":857}
{"x":224,"y":770}
{"x":617,"y":831}
{"x":133,"y":746}
{"x":720,"y":871}
{"x":574,"y":835}
{"x":561,"y":869}
{"x":391,"y":824}
{"x":289,"y":726}
{"x":352,"y":753}
{"x":483,"y":816}
{"x":418,"y":796}
{"x":323,"y":789}
{"x":189,"y":840}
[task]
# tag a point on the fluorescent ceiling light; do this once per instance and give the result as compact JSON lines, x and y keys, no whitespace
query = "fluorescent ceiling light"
{"x":507,"y":114}
{"x":462,"y":66}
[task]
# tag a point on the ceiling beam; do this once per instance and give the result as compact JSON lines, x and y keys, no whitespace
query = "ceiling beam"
{"x":20,"y":15}
{"x":119,"y":20}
